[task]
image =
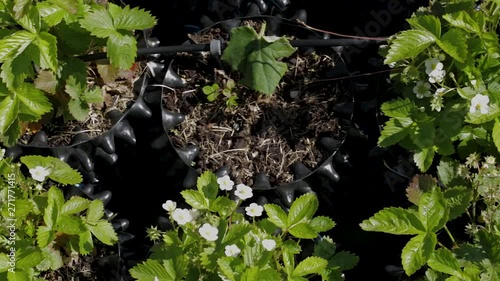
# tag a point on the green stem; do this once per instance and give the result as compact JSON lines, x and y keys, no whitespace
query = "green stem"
{"x":262,"y":30}
{"x":451,"y":236}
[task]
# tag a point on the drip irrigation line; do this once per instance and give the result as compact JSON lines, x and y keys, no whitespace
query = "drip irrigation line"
{"x":193,"y":48}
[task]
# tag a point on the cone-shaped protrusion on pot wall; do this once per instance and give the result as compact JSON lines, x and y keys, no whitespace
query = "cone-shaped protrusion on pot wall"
{"x":140,"y":110}
{"x":262,"y":5}
{"x":262,"y":182}
{"x":300,"y":170}
{"x":79,"y":138}
{"x":114,"y":115}
{"x":105,"y":141}
{"x":171,"y":78}
{"x":39,"y":139}
{"x":125,"y":237}
{"x":13,"y":151}
{"x":120,"y":224}
{"x":329,"y":144}
{"x":344,"y":108}
{"x":222,"y":171}
{"x":171,"y":119}
{"x":125,"y":132}
{"x":108,"y":158}
{"x":188,"y":154}
{"x":190,"y":179}
{"x":104,"y":196}
{"x":290,"y":191}
{"x":327,"y":170}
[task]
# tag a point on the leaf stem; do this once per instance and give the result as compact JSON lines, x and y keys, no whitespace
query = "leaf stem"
{"x":451,"y":236}
{"x":262,"y":31}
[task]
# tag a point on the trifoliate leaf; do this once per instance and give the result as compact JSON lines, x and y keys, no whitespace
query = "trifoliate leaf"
{"x":276,"y":215}
{"x":428,"y":23}
{"x":394,"y":221}
{"x":256,"y":57}
{"x":442,"y":260}
{"x":322,"y":223}
{"x":103,"y":230}
{"x":424,"y":158}
{"x":13,"y":45}
{"x":121,"y":50}
{"x":303,"y":208}
{"x":454,"y":43}
{"x":417,"y":251}
{"x":310,"y":265}
{"x":130,"y":19}
{"x":408,"y":44}
{"x":457,"y":200}
{"x":432,"y":209}
{"x":149,"y":270}
{"x":402,"y":108}
{"x":303,"y":230}
{"x":99,"y":22}
{"x":394,"y":131}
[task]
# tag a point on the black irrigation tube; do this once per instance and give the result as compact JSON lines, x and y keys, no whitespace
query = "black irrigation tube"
{"x":192,"y":48}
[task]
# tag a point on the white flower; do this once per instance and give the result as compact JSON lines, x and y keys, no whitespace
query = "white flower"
{"x":156,"y":279}
{"x":437,"y":103}
{"x":208,"y":232}
{"x":432,"y":65}
{"x":232,"y":250}
{"x":2,"y":153}
{"x":182,"y":216}
{"x":195,"y":214}
{"x":440,"y":92}
{"x":437,"y":76}
{"x":169,"y":206}
{"x":269,"y":244}
{"x":490,"y":160}
{"x":254,"y":210}
{"x":479,"y":102}
{"x":473,"y":82}
{"x":38,"y":187}
{"x":243,"y":191}
{"x":39,"y":173}
{"x":225,"y":183}
{"x":421,"y":89}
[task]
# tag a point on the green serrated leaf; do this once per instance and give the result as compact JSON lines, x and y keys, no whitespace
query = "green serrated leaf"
{"x":121,"y":50}
{"x":395,"y":221}
{"x":454,"y":43}
{"x":303,"y":230}
{"x":446,"y":171}
{"x":432,"y":209}
{"x":235,"y":232}
{"x":195,"y":199}
{"x":463,"y":20}
{"x":423,"y":134}
{"x":423,"y":158}
{"x":33,"y":103}
{"x":31,"y":20}
{"x":20,"y":8}
{"x":53,"y":209}
{"x":207,"y":184}
{"x":303,"y":208}
{"x":95,"y":211}
{"x":75,"y":205}
{"x":457,"y":200}
{"x":149,"y":270}
{"x":496,"y":134}
{"x":44,"y":235}
{"x":16,"y":71}
{"x":47,"y":43}
{"x":13,"y":45}
{"x":428,"y":23}
{"x":222,"y":205}
{"x":417,"y":251}
{"x":99,"y":22}
{"x":70,"y":224}
{"x":50,"y":14}
{"x":131,"y":19}
{"x":394,"y":131}
{"x":63,"y":173}
{"x":78,"y":109}
{"x":310,"y":265}
{"x":276,"y":215}
{"x":344,"y":260}
{"x":52,"y":257}
{"x":322,"y":223}
{"x":257,"y":58}
{"x":402,"y":108}
{"x":442,"y":260}
{"x":9,"y":108}
{"x":29,"y":257}
{"x":46,"y":81}
{"x":70,"y":6}
{"x":85,"y":242}
{"x":103,"y":230}
{"x":408,"y":44}
{"x":93,"y":95}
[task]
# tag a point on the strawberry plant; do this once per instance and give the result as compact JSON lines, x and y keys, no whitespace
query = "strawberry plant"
{"x":40,"y":44}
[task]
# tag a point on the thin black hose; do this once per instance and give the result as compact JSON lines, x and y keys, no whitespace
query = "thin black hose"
{"x":193,"y":48}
